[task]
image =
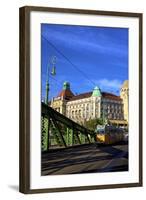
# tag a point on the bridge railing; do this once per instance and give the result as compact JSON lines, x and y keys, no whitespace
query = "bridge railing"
{"x":59,"y":131}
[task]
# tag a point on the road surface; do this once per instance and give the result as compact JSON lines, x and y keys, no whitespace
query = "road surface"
{"x":86,"y":159}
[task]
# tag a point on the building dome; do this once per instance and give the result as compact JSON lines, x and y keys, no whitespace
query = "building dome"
{"x":66,"y":93}
{"x":96,"y":92}
{"x":66,"y":85}
{"x":125,"y":84}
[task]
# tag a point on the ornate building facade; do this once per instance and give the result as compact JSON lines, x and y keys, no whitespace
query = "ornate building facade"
{"x":91,"y":105}
{"x":124,"y":94}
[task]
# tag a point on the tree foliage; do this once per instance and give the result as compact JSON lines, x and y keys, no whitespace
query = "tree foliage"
{"x":92,"y":123}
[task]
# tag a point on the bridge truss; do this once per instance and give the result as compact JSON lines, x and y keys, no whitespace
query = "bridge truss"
{"x":58,"y":131}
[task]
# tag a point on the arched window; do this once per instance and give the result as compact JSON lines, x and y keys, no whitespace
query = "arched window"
{"x":73,"y":114}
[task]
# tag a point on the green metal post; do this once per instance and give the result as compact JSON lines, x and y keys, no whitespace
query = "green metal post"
{"x":82,"y":138}
{"x":71,"y":131}
{"x":67,"y":136}
{"x":47,"y":92}
{"x":44,"y":134}
{"x":47,"y":86}
{"x":48,"y":135}
{"x":70,"y":137}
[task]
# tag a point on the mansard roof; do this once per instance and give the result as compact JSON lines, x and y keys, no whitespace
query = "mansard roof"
{"x":111,"y":96}
{"x":66,"y":94}
{"x":81,"y":96}
{"x":89,"y":94}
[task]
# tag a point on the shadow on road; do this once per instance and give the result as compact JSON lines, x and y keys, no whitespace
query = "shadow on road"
{"x":54,"y":161}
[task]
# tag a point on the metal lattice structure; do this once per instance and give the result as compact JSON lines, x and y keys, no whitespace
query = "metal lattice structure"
{"x":59,"y":131}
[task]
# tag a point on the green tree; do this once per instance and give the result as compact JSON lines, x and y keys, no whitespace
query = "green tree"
{"x":92,"y":123}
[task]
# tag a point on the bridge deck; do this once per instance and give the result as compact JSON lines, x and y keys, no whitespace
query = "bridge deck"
{"x":86,"y":159}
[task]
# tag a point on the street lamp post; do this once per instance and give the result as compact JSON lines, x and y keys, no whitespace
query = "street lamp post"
{"x":53,"y":72}
{"x":47,"y":92}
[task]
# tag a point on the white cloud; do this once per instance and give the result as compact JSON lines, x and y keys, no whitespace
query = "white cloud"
{"x":114,"y":84}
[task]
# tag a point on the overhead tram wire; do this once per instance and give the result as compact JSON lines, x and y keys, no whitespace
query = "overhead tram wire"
{"x":57,"y":83}
{"x":69,"y":61}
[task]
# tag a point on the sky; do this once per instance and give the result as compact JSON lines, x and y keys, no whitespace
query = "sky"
{"x":86,"y":57}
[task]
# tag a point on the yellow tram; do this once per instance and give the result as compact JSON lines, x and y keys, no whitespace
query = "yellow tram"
{"x":108,"y":134}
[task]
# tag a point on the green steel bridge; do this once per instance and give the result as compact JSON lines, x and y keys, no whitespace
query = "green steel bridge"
{"x":83,"y":154}
{"x":59,"y":131}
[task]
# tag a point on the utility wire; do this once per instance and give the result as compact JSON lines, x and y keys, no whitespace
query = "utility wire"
{"x":56,"y":81}
{"x":69,"y":61}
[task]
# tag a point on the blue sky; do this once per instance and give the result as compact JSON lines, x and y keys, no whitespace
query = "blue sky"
{"x":86,"y":57}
